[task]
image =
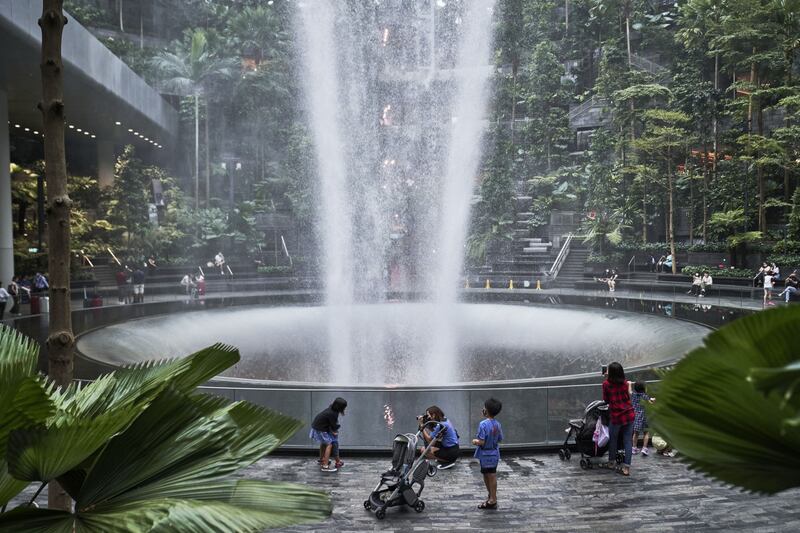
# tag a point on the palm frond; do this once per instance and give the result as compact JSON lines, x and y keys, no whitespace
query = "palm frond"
{"x":724,"y":425}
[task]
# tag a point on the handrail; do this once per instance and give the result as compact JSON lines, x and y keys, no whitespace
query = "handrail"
{"x":588,"y":104}
{"x":561,"y":257}
{"x":633,"y":260}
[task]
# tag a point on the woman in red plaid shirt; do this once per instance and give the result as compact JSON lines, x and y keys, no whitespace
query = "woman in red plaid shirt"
{"x":617,"y":394}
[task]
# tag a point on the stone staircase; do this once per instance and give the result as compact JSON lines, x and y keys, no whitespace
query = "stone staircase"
{"x":574,"y":265}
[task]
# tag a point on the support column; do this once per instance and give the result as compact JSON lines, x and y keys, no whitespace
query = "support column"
{"x":6,"y":219}
{"x":105,"y":164}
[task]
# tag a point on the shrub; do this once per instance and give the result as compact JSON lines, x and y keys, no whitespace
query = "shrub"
{"x":785,"y":261}
{"x":717,"y":272}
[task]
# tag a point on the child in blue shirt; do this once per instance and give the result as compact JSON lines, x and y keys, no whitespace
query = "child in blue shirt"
{"x":490,"y":433}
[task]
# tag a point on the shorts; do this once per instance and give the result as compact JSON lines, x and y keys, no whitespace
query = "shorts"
{"x":447,"y":455}
{"x":489,"y":470}
{"x":138,"y":289}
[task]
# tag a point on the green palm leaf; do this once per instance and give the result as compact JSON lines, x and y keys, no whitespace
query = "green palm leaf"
{"x":242,"y":506}
{"x":724,"y":425}
{"x":181,"y":442}
{"x":42,"y":454}
{"x":33,"y":520}
{"x":9,"y":486}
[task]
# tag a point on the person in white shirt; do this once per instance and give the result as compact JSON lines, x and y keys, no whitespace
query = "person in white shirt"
{"x":705,"y":282}
{"x":4,"y":296}
{"x":768,"y":288}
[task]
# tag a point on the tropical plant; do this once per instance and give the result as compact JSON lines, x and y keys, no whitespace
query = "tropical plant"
{"x":140,"y":450}
{"x":732,"y":406}
{"x":189,"y":71}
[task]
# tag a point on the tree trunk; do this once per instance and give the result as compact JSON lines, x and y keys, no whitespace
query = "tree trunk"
{"x":705,"y":193}
{"x":208,"y":158}
{"x":644,"y":208}
{"x":60,"y":340}
{"x":671,"y":215}
{"x":196,"y":150}
{"x":762,"y":185}
{"x":514,"y":67}
{"x":691,"y":209}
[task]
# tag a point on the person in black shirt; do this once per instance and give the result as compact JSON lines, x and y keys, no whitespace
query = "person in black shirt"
{"x":325,"y":431}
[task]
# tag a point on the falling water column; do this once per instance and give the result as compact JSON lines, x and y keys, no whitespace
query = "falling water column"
{"x":321,"y":82}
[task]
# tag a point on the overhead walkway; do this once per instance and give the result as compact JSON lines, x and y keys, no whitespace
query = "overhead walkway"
{"x":107,"y":105}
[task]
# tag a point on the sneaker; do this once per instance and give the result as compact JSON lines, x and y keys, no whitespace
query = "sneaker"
{"x":328,"y":468}
{"x":635,"y":451}
{"x":339,"y":464}
{"x":645,"y":451}
{"x":445,"y":466}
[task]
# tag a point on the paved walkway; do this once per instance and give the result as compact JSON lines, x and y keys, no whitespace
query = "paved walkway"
{"x":537,"y":492}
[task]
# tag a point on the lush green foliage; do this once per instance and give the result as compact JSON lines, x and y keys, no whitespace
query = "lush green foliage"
{"x":732,"y":406}
{"x":717,"y":272}
{"x":139,"y":450}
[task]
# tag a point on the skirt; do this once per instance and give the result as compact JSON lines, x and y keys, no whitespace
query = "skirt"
{"x":323,"y":437}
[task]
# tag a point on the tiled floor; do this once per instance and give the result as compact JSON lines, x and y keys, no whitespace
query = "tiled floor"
{"x":538,"y":492}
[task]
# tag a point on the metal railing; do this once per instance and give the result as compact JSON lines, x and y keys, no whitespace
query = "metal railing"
{"x":632,"y":262}
{"x":561,"y":257}
{"x":594,"y":101}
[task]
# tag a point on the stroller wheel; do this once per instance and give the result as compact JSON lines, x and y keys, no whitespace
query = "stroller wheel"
{"x":380,"y":514}
{"x":367,"y":505}
{"x":432,"y":470}
{"x":567,"y":453}
{"x":562,"y":455}
{"x":584,"y":464}
{"x":419,"y":506}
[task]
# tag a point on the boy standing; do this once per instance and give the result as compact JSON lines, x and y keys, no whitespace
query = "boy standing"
{"x":488,"y":439}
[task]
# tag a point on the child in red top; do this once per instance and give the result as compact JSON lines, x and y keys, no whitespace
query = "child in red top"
{"x":616,"y":393}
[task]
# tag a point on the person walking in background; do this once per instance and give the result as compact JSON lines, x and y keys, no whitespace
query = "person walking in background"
{"x":325,"y":431}
{"x":487,"y":451}
{"x":638,"y":397}
{"x":616,"y":393}
{"x":138,"y":285}
{"x":4,"y":297}
{"x":219,"y":262}
{"x":122,"y":279}
{"x":40,"y":283}
{"x":768,"y":284}
{"x":776,"y":273}
{"x":14,"y":292}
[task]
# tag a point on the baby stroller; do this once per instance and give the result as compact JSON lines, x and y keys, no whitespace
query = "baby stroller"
{"x":583,"y":430}
{"x":403,"y":484}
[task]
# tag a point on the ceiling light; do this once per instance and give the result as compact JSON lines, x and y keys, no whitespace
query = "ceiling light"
{"x":71,"y":127}
{"x":78,"y":130}
{"x":35,"y":132}
{"x":86,"y":133}
{"x":94,"y":136}
{"x":136,"y":133}
{"x":130,"y":130}
{"x":16,"y":125}
{"x":27,"y":129}
{"x":118,"y":123}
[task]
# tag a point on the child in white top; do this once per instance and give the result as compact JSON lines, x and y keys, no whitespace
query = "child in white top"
{"x":768,"y":288}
